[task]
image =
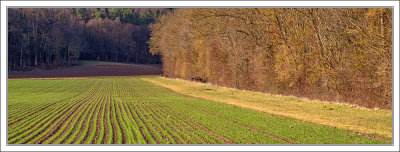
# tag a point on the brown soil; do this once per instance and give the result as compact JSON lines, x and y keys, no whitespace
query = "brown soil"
{"x":89,"y":71}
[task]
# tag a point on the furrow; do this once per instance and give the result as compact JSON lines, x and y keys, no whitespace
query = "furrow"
{"x":243,"y":125}
{"x":135,"y":116}
{"x":113,"y":126}
{"x":78,"y":132}
{"x":125,"y":123}
{"x":42,"y":123}
{"x":186,"y":135}
{"x":58,"y":125}
{"x":226,"y":140}
{"x":100,"y":123}
{"x":76,"y":124}
{"x":62,"y":122}
{"x":67,"y":131}
{"x":88,"y":121}
{"x":117,"y":119}
{"x":109,"y":131}
{"x":22,"y":114}
{"x":146,"y":124}
{"x":88,"y":138}
{"x":163,"y":113}
{"x":46,"y":115}
{"x":136,"y":131}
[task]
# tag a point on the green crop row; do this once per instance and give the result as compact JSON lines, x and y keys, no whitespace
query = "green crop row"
{"x":133,"y":111}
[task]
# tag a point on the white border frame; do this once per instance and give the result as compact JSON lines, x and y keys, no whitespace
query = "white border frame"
{"x":5,"y":4}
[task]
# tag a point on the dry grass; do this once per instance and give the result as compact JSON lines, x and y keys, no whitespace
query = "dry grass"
{"x":344,"y":116}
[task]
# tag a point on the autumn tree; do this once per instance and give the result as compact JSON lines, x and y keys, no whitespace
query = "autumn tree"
{"x":335,"y":54}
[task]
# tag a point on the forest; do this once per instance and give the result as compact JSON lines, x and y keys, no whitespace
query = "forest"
{"x":331,"y":54}
{"x":51,"y":37}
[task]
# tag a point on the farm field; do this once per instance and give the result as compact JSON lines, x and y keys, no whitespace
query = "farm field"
{"x":91,"y":69}
{"x":135,"y":76}
{"x":375,"y":122}
{"x":130,"y":110}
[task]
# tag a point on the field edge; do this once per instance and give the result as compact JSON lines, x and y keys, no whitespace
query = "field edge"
{"x":201,"y":90}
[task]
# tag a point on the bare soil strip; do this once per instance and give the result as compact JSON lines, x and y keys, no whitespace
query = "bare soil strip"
{"x":89,"y":71}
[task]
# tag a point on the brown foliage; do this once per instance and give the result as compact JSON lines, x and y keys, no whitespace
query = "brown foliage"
{"x":335,"y":54}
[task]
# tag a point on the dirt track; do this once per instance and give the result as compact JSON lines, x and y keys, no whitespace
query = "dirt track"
{"x":90,"y":71}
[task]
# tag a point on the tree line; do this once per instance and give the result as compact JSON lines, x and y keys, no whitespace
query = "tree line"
{"x":40,"y":37}
{"x":334,"y":54}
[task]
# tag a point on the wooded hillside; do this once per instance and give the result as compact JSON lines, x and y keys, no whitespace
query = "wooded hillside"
{"x":57,"y":36}
{"x":335,"y":54}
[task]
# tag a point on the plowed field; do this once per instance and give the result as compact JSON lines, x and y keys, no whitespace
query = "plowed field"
{"x":133,"y":111}
{"x":90,"y":71}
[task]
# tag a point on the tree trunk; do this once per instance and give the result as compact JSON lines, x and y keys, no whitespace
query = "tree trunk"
{"x":20,"y":59}
{"x":29,"y":52}
{"x":382,"y":29}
